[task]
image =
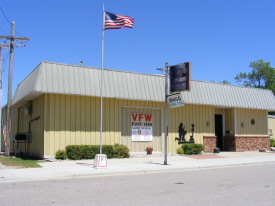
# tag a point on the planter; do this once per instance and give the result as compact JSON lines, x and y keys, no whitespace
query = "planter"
{"x":149,"y":150}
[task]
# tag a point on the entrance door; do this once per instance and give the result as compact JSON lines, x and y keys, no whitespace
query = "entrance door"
{"x":219,"y":130}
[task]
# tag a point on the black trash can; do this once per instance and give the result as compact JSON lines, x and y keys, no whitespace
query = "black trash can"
{"x":217,"y":150}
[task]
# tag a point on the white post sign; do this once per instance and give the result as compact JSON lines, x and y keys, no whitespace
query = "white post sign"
{"x":100,"y":161}
{"x":175,"y":101}
{"x":142,"y":127}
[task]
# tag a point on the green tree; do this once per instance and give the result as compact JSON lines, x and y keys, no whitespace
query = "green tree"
{"x":225,"y":82}
{"x":261,"y":76}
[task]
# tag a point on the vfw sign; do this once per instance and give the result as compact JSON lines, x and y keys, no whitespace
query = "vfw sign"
{"x":142,"y":127}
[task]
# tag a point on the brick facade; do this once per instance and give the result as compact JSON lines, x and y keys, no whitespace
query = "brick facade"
{"x":237,"y":143}
{"x":209,"y":143}
{"x":245,"y":143}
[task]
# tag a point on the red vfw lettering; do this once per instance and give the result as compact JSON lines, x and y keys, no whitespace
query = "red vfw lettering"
{"x":148,"y":117}
{"x":140,"y":117}
{"x":134,"y":116}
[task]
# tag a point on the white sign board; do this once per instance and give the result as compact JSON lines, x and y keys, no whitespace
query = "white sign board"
{"x":142,"y":133}
{"x":175,"y":101}
{"x":142,"y":126}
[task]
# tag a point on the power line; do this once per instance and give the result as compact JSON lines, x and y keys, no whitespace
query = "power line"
{"x":4,"y":31}
{"x":5,"y":16}
{"x":17,"y":33}
{"x":4,"y":62}
{"x":4,"y":59}
{"x":8,"y":21}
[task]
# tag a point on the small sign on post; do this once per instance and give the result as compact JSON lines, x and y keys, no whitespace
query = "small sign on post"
{"x":175,"y":100}
{"x":100,"y":161}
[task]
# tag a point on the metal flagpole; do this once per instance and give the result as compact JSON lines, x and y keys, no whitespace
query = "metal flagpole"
{"x":103,"y":25}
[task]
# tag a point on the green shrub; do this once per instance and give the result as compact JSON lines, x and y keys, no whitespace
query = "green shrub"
{"x":77,"y":152}
{"x":121,"y":151}
{"x":74,"y":152}
{"x":108,"y":150}
{"x":61,"y":155}
{"x":89,"y":151}
{"x":272,"y":142}
{"x":180,"y":151}
{"x":192,"y":148}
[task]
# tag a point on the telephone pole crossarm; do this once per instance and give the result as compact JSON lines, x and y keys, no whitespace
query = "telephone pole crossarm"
{"x":2,"y":46}
{"x":6,"y":46}
{"x":15,"y":38}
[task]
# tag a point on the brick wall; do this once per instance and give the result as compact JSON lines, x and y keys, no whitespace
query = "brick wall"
{"x":209,"y":143}
{"x":246,"y":143}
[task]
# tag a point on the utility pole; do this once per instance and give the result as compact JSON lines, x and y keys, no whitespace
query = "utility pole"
{"x":166,"y":113}
{"x":1,"y":47}
{"x":12,"y":38}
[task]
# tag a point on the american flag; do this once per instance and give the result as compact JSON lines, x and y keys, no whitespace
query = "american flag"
{"x":115,"y":21}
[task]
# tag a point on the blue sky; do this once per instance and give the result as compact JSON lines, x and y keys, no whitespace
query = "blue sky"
{"x":220,"y":38}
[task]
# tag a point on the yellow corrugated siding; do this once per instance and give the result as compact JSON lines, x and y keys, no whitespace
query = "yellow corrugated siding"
{"x":46,"y":124}
{"x":117,"y":121}
{"x":62,"y":121}
{"x":189,"y":114}
{"x":229,"y":121}
{"x":35,"y":146}
{"x":73,"y":119}
{"x":271,"y":125}
{"x":245,"y":116}
{"x":218,"y":111}
{"x":69,"y":119}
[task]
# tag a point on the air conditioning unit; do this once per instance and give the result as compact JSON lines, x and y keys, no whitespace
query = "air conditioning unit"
{"x":21,"y":137}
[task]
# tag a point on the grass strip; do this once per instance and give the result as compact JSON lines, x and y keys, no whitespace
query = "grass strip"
{"x":19,"y":162}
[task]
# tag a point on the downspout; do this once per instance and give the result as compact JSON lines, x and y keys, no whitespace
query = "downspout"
{"x":31,"y":121}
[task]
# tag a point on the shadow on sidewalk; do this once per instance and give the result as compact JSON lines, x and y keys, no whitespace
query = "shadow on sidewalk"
{"x":85,"y":164}
{"x":198,"y":157}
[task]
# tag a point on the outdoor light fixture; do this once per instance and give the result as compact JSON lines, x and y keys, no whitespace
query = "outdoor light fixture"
{"x":28,"y":109}
{"x":242,"y":125}
{"x":208,"y":124}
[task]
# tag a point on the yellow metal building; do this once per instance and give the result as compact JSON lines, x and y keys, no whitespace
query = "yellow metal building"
{"x":60,"y":105}
{"x":271,"y":126}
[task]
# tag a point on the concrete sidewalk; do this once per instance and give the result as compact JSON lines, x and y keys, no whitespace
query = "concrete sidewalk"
{"x":142,"y":165}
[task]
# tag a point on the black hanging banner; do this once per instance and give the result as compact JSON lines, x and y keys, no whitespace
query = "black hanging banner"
{"x":180,"y":77}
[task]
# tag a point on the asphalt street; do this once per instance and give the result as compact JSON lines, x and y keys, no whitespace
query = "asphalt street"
{"x":235,"y":185}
